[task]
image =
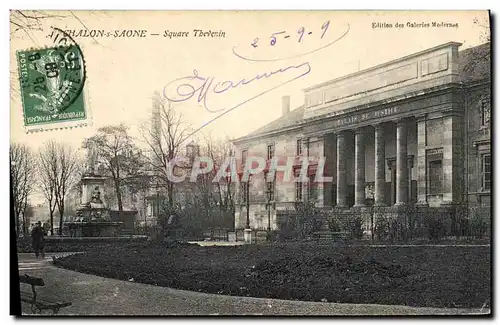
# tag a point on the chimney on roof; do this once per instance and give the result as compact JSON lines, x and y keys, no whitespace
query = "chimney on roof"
{"x":285,"y":105}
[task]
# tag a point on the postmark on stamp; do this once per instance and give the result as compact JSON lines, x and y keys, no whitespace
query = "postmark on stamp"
{"x":52,"y":83}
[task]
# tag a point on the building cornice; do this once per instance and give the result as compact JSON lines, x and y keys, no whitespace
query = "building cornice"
{"x":382,"y":65}
{"x":409,"y":96}
{"x":477,"y":83}
{"x":249,"y":138}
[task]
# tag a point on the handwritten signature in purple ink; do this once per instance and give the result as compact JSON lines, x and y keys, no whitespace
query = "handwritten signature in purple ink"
{"x":205,"y":87}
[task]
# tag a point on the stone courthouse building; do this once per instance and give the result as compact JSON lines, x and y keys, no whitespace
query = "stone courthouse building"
{"x":415,"y":130}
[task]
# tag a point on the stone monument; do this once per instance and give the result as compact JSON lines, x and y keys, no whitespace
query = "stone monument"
{"x":93,"y":215}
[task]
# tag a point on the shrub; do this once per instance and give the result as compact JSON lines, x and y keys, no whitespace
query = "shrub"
{"x":310,"y":219}
{"x":287,"y":231}
{"x":355,"y":226}
{"x":350,"y":222}
{"x":472,"y":221}
{"x":478,"y":226}
{"x":312,"y":225}
{"x":398,"y":230}
{"x":272,"y":235}
{"x":381,"y":229}
{"x":435,"y":225}
{"x":394,"y":225}
{"x":333,"y":224}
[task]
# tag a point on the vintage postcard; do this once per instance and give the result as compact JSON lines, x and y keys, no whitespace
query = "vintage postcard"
{"x":251,"y":162}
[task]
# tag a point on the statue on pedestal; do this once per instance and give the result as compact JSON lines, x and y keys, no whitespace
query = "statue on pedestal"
{"x":91,"y":158}
{"x":96,"y":195}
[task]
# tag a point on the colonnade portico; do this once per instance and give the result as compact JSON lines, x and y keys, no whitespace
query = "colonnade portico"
{"x":399,"y":133}
{"x":402,"y":172}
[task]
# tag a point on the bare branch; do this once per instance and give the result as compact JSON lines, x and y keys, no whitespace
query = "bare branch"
{"x":120,"y":157}
{"x":58,"y":173}
{"x":23,"y":168}
{"x":164,"y":136}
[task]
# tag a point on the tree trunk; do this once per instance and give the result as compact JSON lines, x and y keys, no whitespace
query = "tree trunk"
{"x":16,"y":215}
{"x":25,"y":204}
{"x":25,"y":229}
{"x":170,"y":194}
{"x":118,"y":195}
{"x":61,"y":215}
{"x":51,"y":223}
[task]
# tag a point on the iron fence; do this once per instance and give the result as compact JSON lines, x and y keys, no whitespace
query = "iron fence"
{"x":258,"y":235}
{"x":393,"y":223}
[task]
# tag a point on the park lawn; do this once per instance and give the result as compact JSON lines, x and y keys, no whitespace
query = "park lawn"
{"x":413,"y":276}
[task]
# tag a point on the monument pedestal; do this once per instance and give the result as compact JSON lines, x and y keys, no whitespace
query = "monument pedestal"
{"x":94,"y":218}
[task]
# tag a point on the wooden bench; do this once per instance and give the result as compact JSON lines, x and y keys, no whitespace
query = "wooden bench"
{"x":330,"y":235}
{"x":37,"y":303}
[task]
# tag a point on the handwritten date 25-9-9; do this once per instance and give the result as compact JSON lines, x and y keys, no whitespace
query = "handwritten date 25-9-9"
{"x":300,"y":35}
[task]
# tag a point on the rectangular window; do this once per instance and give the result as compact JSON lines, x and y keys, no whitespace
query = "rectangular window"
{"x":298,"y":191}
{"x":435,"y":180}
{"x":486,"y":172}
{"x":270,"y":151}
{"x":485,"y":112}
{"x":299,"y":147}
{"x":244,"y":155}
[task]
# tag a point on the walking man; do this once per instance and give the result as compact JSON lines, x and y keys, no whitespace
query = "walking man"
{"x":37,"y":235}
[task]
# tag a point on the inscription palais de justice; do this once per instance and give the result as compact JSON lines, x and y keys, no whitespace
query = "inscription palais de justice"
{"x":366,"y":116}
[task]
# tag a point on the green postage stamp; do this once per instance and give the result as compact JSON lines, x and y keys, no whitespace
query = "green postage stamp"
{"x":52,"y":87}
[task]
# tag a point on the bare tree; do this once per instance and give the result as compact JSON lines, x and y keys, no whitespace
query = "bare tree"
{"x":219,"y":152}
{"x":47,"y":157}
{"x":479,"y":56}
{"x":58,"y":167}
{"x":68,"y":166}
{"x":164,"y":135}
{"x":121,"y":158}
{"x":22,"y":171}
{"x":211,"y":197}
{"x":28,"y":21}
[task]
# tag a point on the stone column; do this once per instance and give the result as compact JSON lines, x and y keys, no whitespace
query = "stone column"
{"x":409,"y":166}
{"x":401,"y":163}
{"x":359,"y":180}
{"x":421,"y":161}
{"x":379,"y":165}
{"x":333,"y":170}
{"x":341,"y":170}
